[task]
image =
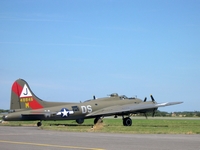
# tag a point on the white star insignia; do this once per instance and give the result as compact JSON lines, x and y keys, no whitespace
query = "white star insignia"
{"x":65,"y":113}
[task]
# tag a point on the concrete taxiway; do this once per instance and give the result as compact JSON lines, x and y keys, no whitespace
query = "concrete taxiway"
{"x":23,"y":138}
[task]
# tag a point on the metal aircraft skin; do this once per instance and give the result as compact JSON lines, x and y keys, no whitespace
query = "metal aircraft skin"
{"x":26,"y":106}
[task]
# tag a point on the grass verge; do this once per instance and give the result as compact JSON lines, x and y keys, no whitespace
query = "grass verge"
{"x":109,"y":125}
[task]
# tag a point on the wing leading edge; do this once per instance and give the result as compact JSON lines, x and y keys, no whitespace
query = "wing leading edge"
{"x":129,"y":108}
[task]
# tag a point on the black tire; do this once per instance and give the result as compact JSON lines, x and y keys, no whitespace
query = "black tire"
{"x":127,"y":121}
{"x":98,"y":119}
{"x":80,"y":121}
{"x":39,"y":124}
{"x":124,"y":121}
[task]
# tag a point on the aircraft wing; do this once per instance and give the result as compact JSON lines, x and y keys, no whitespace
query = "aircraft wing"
{"x":35,"y":115}
{"x":38,"y":113}
{"x":129,"y":108}
{"x":48,"y":113}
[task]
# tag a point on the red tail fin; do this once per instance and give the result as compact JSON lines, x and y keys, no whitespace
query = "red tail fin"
{"x":22,"y":97}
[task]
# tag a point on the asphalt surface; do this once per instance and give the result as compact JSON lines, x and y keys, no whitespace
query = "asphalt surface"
{"x":33,"y":138}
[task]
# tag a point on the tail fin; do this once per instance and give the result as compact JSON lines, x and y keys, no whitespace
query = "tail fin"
{"x":23,"y":98}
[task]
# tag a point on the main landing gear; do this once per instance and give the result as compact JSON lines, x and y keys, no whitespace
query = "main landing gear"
{"x":127,"y":121}
{"x":39,"y":123}
{"x":80,"y":121}
{"x":98,"y":120}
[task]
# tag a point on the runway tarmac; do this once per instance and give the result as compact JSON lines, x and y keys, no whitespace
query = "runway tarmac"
{"x":33,"y":138}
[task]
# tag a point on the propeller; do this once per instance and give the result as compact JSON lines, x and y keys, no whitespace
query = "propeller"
{"x":145,"y":115}
{"x":154,"y":110}
{"x":153,"y":100}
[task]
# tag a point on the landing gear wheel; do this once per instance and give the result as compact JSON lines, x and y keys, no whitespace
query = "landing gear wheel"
{"x":80,"y":121}
{"x":127,"y":121}
{"x":39,"y":124}
{"x":98,"y":120}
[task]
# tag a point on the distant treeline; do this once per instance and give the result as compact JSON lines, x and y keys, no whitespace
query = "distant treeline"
{"x":2,"y":110}
{"x":159,"y":113}
{"x":176,"y":114}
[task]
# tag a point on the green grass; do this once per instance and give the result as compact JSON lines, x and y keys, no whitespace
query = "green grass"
{"x":110,"y":125}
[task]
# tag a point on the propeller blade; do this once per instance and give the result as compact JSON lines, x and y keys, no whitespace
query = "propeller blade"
{"x":153,"y":114}
{"x":145,"y":115}
{"x":153,"y":100}
{"x":145,"y":99}
{"x":154,"y":111}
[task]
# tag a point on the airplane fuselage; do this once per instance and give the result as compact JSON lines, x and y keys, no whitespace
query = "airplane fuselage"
{"x":73,"y":110}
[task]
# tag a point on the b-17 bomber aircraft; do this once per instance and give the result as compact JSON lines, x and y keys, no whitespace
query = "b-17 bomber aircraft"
{"x":26,"y":106}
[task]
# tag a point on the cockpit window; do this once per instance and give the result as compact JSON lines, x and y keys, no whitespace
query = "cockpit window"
{"x":75,"y":108}
{"x":123,"y":97}
{"x":131,"y":98}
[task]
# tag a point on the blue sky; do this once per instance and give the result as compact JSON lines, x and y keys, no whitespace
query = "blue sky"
{"x":72,"y":50}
